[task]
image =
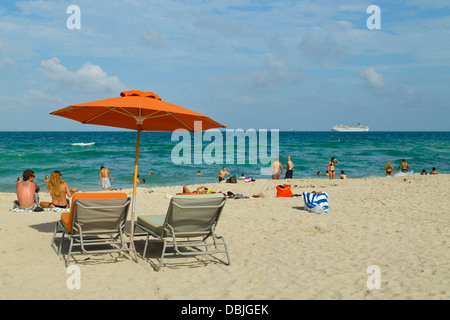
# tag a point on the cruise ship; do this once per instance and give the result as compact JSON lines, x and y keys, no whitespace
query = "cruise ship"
{"x":357,"y":128}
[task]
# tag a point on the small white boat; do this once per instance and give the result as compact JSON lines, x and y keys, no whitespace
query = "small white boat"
{"x":357,"y":128}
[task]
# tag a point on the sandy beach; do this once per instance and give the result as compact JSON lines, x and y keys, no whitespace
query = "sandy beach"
{"x":278,"y":249}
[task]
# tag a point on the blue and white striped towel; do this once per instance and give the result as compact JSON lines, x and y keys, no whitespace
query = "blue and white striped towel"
{"x":316,"y":202}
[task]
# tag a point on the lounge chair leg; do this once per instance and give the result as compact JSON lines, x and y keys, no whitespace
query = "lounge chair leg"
{"x":162,"y":255}
{"x":52,"y":244}
{"x":69,"y":253}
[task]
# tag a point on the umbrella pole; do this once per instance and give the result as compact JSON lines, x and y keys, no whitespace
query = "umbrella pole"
{"x":136,"y":160}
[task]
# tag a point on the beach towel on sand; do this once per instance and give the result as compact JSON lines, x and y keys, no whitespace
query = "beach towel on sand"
{"x":316,"y":202}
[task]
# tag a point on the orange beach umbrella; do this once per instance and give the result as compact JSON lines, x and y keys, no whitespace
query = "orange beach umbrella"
{"x":140,"y":111}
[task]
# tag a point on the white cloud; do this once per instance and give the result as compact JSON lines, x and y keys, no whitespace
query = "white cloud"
{"x":7,"y":62}
{"x":90,"y":78}
{"x":151,"y":38}
{"x":324,"y":48}
{"x":372,"y":78}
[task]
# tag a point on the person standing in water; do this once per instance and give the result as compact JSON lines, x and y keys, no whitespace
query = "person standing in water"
{"x":103,"y":179}
{"x":276,"y":169}
{"x":331,"y":168}
{"x":289,"y":167}
{"x":404,"y":165}
{"x":388,"y":167}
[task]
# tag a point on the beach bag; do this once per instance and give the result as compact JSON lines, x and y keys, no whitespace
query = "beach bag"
{"x":316,"y":202}
{"x":284,"y":191}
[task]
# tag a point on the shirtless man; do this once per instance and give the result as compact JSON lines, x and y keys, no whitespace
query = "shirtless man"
{"x":27,"y":192}
{"x":276,"y":169}
{"x":404,"y":165}
{"x":289,"y":166}
{"x":103,"y":179}
{"x":221,"y":174}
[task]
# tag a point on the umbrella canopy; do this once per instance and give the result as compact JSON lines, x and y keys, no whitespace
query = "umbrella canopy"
{"x":136,"y":110}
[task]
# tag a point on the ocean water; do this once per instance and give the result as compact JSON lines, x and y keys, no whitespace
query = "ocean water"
{"x":79,"y":155}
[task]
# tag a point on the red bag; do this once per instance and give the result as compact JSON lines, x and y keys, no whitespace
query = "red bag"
{"x":284,"y":191}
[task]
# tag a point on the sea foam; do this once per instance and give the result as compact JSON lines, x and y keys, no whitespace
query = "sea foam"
{"x":83,"y":144}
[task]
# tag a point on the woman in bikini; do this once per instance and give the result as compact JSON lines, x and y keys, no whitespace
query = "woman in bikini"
{"x":388,"y":167}
{"x":200,"y":190}
{"x":331,"y":168}
{"x":58,"y":190}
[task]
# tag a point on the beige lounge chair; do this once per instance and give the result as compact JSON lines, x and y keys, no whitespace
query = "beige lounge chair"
{"x":95,"y":223}
{"x":189,"y":224}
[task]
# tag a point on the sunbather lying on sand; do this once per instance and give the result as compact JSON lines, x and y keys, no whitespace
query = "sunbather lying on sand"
{"x":200,"y":190}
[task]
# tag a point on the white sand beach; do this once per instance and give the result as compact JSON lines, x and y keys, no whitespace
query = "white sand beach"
{"x":278,"y":249}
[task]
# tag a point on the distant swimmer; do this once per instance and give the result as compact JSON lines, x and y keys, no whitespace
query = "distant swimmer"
{"x":331,"y":168}
{"x":404,"y":165}
{"x":103,"y":179}
{"x":423,"y":173}
{"x":434,"y":171}
{"x":388,"y":167}
{"x":276,"y":169}
{"x":343,"y":175}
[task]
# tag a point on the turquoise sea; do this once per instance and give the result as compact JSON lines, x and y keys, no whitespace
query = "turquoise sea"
{"x":79,"y":155}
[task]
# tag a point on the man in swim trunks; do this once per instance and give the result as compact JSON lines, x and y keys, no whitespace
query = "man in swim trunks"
{"x":221,"y":174}
{"x":27,"y":193}
{"x":276,"y":169}
{"x":103,"y":179}
{"x":289,"y":166}
{"x":404,"y":165}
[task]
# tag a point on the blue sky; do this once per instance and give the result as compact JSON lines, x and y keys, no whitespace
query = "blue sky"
{"x":303,"y":65}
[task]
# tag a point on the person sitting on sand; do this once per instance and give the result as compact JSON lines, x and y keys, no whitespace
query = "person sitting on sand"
{"x":343,"y":175}
{"x":27,"y":193}
{"x":388,"y":167}
{"x":423,"y":173}
{"x":58,"y":190}
{"x":404,"y":165}
{"x":434,"y":171}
